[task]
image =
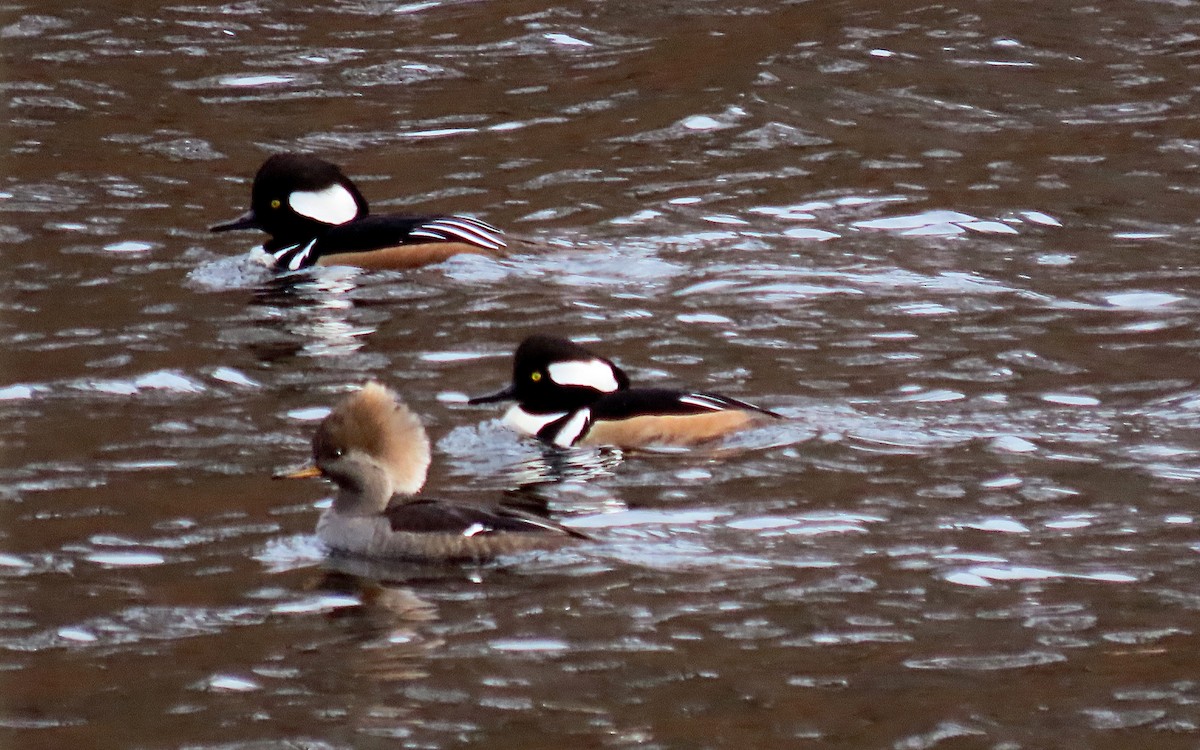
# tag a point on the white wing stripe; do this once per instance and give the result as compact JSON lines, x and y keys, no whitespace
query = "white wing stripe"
{"x":477,"y":222}
{"x":549,"y":525}
{"x":461,"y":228}
{"x":447,"y":235}
{"x":471,"y":234}
{"x":704,"y":402}
{"x":471,"y":225}
{"x":421,"y":232}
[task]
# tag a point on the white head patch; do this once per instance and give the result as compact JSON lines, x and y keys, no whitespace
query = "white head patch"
{"x":333,"y":205}
{"x":590,"y":373}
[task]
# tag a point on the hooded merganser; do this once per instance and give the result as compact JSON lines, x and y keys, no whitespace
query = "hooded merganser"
{"x":375,"y":450}
{"x":317,"y":217}
{"x":566,"y":395}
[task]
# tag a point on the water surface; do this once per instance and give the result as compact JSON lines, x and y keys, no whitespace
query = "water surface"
{"x":954,"y":245}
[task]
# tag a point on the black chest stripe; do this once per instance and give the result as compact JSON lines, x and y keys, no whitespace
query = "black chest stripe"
{"x":293,"y":257}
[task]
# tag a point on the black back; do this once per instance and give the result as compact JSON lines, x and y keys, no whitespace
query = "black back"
{"x":665,"y":402}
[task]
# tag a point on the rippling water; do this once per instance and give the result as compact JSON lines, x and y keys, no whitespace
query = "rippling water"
{"x":954,"y":245}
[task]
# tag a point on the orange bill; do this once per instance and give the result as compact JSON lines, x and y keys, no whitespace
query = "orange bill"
{"x":306,"y":472}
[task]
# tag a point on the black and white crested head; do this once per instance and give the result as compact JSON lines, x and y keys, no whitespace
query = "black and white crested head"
{"x":308,"y":187}
{"x":556,"y":373}
{"x":331,"y":205}
{"x":295,"y":196}
{"x":597,"y":374}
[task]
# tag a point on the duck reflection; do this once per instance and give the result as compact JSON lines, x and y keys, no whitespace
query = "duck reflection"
{"x":313,"y":314}
{"x":552,"y":481}
{"x":557,"y":466}
{"x":387,"y":622}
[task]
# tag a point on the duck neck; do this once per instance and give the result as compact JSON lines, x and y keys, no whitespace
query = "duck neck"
{"x":364,"y":491}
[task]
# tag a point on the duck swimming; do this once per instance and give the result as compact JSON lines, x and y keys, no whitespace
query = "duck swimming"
{"x":316,"y":216}
{"x":375,"y":450}
{"x":566,"y":395}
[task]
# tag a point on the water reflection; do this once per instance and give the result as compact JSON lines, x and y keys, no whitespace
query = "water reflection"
{"x":313,"y":310}
{"x":954,"y":246}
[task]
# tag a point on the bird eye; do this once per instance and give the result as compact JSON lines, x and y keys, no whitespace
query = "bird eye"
{"x":535,"y":377}
{"x":275,"y":203}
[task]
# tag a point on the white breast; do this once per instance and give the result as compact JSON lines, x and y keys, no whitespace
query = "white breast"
{"x":521,"y":421}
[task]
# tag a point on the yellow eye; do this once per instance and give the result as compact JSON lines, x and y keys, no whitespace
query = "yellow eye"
{"x":275,"y":203}
{"x":535,"y":377}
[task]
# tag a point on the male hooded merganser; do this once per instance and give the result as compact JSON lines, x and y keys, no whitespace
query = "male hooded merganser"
{"x":566,"y":395}
{"x":375,"y":450}
{"x":316,"y":217}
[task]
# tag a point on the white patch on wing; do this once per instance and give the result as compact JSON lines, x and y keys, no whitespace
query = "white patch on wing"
{"x":592,"y":373}
{"x":573,"y":428}
{"x":461,"y":229}
{"x":475,"y":528}
{"x":519,"y":420}
{"x":333,"y":205}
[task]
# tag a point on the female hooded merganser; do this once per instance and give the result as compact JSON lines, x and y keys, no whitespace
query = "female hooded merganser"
{"x":316,"y":217}
{"x":375,"y":450}
{"x":566,"y":395}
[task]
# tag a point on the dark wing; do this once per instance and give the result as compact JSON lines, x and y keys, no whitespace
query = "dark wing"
{"x":390,"y":230}
{"x":438,"y":517}
{"x":640,"y":402}
{"x":383,"y":231}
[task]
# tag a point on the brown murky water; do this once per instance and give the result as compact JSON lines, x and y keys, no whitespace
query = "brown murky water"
{"x":956,"y":244}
